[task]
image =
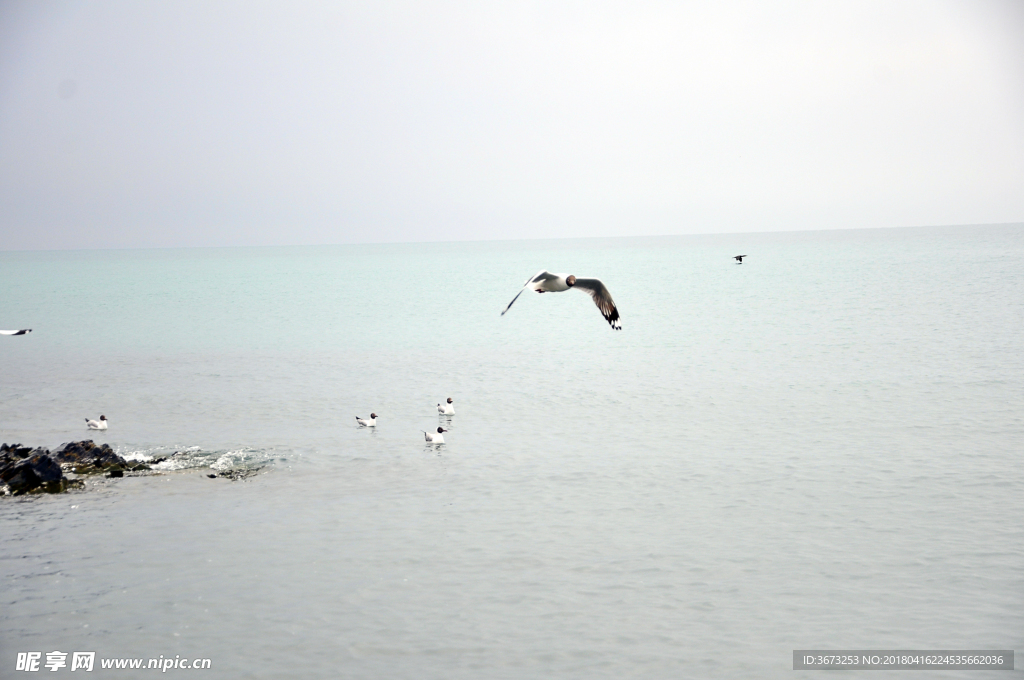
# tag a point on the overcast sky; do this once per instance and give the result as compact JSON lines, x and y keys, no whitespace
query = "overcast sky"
{"x":142,"y":124}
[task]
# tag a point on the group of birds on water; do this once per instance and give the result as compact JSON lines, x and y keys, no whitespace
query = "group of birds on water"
{"x":445,"y":409}
{"x":541,"y":282}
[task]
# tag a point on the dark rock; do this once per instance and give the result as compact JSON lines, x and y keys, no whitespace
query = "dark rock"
{"x":24,"y":470}
{"x":16,"y":450}
{"x":115,"y":473}
{"x":243,"y":473}
{"x":85,"y":457}
{"x":212,"y":476}
{"x":59,"y":485}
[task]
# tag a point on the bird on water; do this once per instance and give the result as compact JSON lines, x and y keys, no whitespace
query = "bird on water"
{"x":546,"y":282}
{"x":738,"y":258}
{"x":19,"y":332}
{"x":367,"y":422}
{"x":434,"y":438}
{"x":446,"y":409}
{"x":100,"y":424}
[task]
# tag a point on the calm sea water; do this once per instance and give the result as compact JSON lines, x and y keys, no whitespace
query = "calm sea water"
{"x":820,"y":448}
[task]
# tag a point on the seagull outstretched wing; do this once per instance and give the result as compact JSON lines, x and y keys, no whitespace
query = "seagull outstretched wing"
{"x":603,"y":300}
{"x":542,"y":275}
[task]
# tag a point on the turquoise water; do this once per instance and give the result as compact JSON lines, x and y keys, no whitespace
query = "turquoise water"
{"x":819,"y":448}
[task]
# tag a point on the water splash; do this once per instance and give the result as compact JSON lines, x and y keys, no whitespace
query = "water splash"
{"x":241,"y":462}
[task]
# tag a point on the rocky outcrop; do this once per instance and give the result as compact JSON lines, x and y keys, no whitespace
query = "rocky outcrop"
{"x":86,"y":457}
{"x":24,"y":470}
{"x":27,"y":470}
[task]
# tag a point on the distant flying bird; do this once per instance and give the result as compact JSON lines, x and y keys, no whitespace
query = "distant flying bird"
{"x":446,"y":409}
{"x":100,"y":424}
{"x":434,"y":438}
{"x":546,"y":282}
{"x":738,"y":258}
{"x":367,"y":422}
{"x":21,"y":332}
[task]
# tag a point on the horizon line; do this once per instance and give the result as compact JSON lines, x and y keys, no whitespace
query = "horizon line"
{"x":520,"y":240}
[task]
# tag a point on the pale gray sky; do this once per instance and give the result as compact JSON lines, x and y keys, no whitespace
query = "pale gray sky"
{"x":142,"y":124}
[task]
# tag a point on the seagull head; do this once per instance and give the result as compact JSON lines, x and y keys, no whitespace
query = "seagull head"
{"x":373,"y":416}
{"x":570,"y":280}
{"x":449,"y":400}
{"x":440,"y":430}
{"x":103,"y":417}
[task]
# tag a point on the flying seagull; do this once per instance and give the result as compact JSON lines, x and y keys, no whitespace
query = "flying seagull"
{"x":100,"y":424}
{"x":434,"y":438}
{"x":367,"y":422}
{"x":738,"y":258}
{"x":447,"y":409}
{"x":21,"y":332}
{"x":546,"y":282}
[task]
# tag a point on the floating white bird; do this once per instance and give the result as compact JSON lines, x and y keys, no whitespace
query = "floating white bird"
{"x":100,"y":424}
{"x":367,"y":422}
{"x":21,"y":332}
{"x":546,"y":282}
{"x":434,"y":438}
{"x":446,"y":409}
